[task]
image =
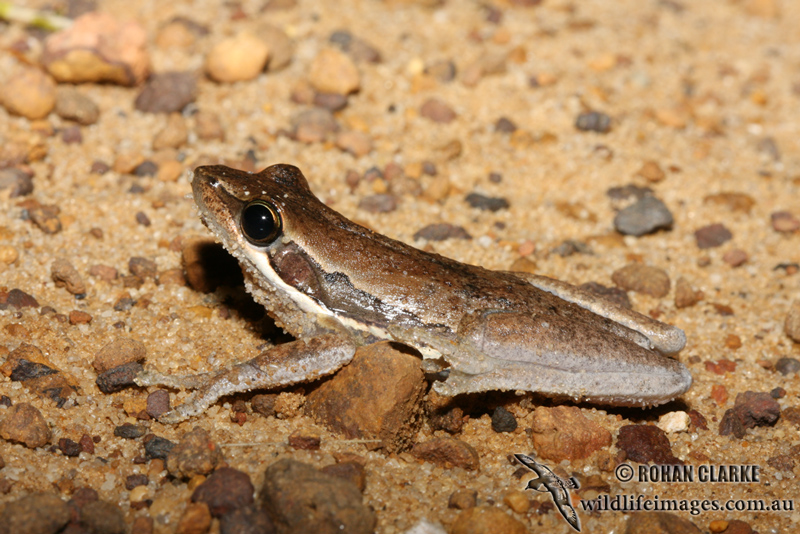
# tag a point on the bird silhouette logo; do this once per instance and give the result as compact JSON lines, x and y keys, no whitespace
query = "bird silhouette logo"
{"x":557,"y":486}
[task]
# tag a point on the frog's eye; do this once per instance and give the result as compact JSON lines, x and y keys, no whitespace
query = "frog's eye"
{"x":261,"y":224}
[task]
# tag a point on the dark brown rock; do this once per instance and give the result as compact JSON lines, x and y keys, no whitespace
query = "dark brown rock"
{"x":18,"y":299}
{"x":659,"y":523}
{"x":224,"y":491}
{"x":376,"y":396}
{"x":167,"y":92}
{"x":24,"y":424}
{"x":68,"y":447}
{"x":642,"y":279}
{"x":101,"y":517}
{"x":65,"y":275}
{"x":17,"y":181}
{"x":645,"y":444}
{"x":194,"y":455}
{"x":378,"y":203}
{"x":118,"y":378}
{"x":351,"y":471}
{"x":134,"y":481}
{"x":157,"y":403}
{"x":564,"y":433}
{"x":593,"y":121}
{"x":486,"y":520}
{"x":264,"y":404}
{"x":751,"y":409}
{"x":712,"y":236}
{"x":304,"y":439}
{"x":482,"y":202}
{"x":448,"y":453}
{"x":301,"y":499}
{"x":442,"y":231}
{"x":246,"y":520}
{"x":38,"y":513}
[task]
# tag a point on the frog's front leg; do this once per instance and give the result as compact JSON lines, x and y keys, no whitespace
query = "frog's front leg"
{"x":282,"y":365}
{"x":546,"y":352}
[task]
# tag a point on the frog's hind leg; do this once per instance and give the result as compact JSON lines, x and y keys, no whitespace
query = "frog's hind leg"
{"x":296,"y":361}
{"x":662,"y":337}
{"x":555,"y":355}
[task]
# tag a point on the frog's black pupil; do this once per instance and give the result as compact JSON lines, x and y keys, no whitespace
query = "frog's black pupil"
{"x":259,"y":222}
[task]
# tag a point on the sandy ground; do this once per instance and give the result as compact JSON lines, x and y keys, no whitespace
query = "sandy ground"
{"x":695,"y":86}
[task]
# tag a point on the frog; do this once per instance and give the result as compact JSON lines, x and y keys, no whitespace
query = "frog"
{"x":335,"y":286}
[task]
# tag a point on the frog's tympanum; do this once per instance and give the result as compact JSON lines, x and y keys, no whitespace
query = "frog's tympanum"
{"x":335,"y":285}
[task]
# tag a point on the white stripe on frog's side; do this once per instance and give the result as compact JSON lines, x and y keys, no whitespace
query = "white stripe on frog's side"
{"x":260,"y":260}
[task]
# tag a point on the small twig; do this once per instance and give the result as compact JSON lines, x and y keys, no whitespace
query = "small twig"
{"x":32,"y":17}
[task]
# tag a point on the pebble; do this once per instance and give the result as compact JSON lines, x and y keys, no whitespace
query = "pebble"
{"x":685,"y":294}
{"x":98,"y":48}
{"x":564,"y":433}
{"x":119,"y":352}
{"x":698,"y":420}
{"x":518,"y":501}
{"x":30,"y":93}
{"x":379,"y":203}
{"x":142,"y":219}
{"x":19,"y":182}
{"x":264,"y":404}
{"x":785,"y":222}
{"x":174,"y":134}
{"x":118,"y":378}
{"x":300,"y":498}
{"x":642,"y":279}
{"x":787,"y":366}
{"x":167,"y":92}
{"x":486,"y":520}
{"x":357,"y":143}
{"x":646,"y":444}
{"x":196,"y":519}
{"x":593,"y":121}
{"x":651,"y":171}
{"x":735,"y":257}
{"x":505,"y":125}
{"x":441,"y":232}
{"x":157,"y":403}
{"x":712,"y":236}
{"x":79,"y":317}
{"x":72,"y":135}
{"x":65,"y":275}
{"x":351,"y":471}
{"x":73,"y":105}
{"x":332,"y":71}
{"x":659,"y":523}
{"x":674,"y":422}
{"x":304,"y":440}
{"x":142,"y":267}
{"x":437,"y":111}
{"x":627,"y":192}
{"x":357,"y":48}
{"x":443,"y":70}
{"x":37,"y":513}
{"x":157,"y":447}
{"x":169,"y":171}
{"x":614,"y":294}
{"x":751,"y":409}
{"x":129,"y":431}
{"x":208,"y":126}
{"x":734,"y":201}
{"x":134,"y":481}
{"x":314,"y":125}
{"x":503,"y":420}
{"x":195,"y":454}
{"x":376,"y":396}
{"x":463,"y":499}
{"x":484,"y":203}
{"x":238,"y":58}
{"x":102,"y":517}
{"x":331,"y":101}
{"x":225,"y":490}
{"x":25,"y":424}
{"x":8,"y":254}
{"x":281,"y":48}
{"x":447,"y":453}
{"x":246,"y":520}
{"x":644,"y":216}
{"x":103,"y":272}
